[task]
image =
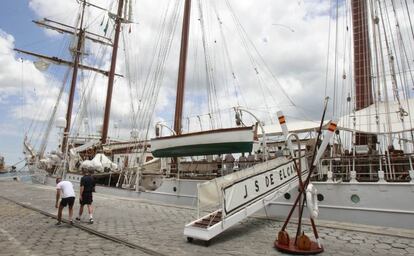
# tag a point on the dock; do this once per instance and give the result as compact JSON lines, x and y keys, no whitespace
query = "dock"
{"x":131,"y":226}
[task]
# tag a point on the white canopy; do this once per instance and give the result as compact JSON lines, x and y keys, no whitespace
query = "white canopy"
{"x":365,"y":120}
{"x":388,"y":117}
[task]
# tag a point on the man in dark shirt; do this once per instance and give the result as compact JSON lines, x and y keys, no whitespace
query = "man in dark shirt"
{"x":87,"y":186}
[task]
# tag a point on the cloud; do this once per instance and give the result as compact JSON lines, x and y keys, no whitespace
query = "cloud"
{"x":19,"y":78}
{"x":273,"y":56}
{"x":26,"y":97}
{"x":296,"y":59}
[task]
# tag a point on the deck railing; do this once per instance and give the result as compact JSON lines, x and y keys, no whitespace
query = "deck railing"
{"x":396,"y":167}
{"x":200,"y":169}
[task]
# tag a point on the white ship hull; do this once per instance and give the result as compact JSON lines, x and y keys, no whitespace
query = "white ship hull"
{"x":382,"y":204}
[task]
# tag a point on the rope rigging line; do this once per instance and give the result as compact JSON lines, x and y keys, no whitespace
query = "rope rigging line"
{"x":260,"y":57}
{"x":404,"y":63}
{"x":409,"y":18}
{"x":160,"y":70}
{"x":246,"y":42}
{"x":128,"y":66}
{"x":335,"y":98}
{"x":389,"y":40}
{"x":383,"y":76}
{"x":236,"y":83}
{"x":74,"y":41}
{"x":39,"y":127}
{"x":36,"y":126}
{"x":155,"y":77}
{"x":86,"y":92}
{"x":210,"y":70}
{"x":328,"y":54}
{"x":45,"y":139}
{"x":375,"y":62}
{"x":401,"y":65}
{"x":346,"y":48}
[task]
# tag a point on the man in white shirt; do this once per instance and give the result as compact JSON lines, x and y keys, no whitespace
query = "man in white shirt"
{"x":65,"y":189}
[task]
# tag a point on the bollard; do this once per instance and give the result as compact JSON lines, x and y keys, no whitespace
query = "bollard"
{"x":411,"y":172}
{"x":381,"y":176}
{"x":353,"y":177}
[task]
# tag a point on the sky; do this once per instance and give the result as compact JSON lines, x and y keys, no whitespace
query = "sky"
{"x":274,"y":59}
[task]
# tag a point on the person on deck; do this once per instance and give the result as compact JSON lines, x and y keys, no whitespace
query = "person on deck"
{"x":242,"y":161}
{"x":219,"y":162}
{"x":87,"y":187}
{"x":229,"y":163}
{"x":64,"y":188}
{"x":250,"y":160}
{"x":259,"y":156}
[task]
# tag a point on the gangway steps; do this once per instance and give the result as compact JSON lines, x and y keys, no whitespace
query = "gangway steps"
{"x":209,"y":221}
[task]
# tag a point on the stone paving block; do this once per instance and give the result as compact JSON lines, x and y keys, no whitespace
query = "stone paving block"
{"x":383,"y":246}
{"x":160,"y":227}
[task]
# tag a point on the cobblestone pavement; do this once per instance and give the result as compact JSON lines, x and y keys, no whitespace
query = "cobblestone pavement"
{"x":159,"y":228}
{"x":27,"y":232}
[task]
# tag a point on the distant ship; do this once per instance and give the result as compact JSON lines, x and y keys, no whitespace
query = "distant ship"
{"x":2,"y":166}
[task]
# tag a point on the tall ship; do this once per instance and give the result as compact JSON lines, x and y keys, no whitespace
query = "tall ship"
{"x":83,"y":142}
{"x":361,"y":150}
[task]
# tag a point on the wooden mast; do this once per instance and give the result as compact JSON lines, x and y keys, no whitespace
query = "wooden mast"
{"x":182,"y":68}
{"x":362,"y":64}
{"x":73,"y":83}
{"x":118,"y":22}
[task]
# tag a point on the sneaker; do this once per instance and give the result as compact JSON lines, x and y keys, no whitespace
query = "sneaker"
{"x":90,"y":221}
{"x":78,"y":219}
{"x":58,"y":223}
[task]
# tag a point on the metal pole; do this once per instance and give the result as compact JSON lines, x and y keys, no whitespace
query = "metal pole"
{"x":111,"y":75}
{"x":73,"y":82}
{"x":182,"y":68}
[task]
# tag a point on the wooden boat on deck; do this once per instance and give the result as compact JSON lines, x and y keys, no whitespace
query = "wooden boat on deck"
{"x":211,"y":142}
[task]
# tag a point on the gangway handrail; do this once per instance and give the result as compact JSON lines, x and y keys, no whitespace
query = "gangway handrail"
{"x":236,"y":212}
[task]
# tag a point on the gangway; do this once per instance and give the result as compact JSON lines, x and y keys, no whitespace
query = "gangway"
{"x":242,"y":195}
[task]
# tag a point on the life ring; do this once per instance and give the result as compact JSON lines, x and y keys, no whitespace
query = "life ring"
{"x":312,"y":201}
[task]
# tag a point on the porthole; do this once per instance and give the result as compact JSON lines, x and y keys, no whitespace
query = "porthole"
{"x":175,"y":189}
{"x":287,"y":196}
{"x":320,"y":197}
{"x":355,"y":199}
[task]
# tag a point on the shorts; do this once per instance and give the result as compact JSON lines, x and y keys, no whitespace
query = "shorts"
{"x":86,"y":198}
{"x":67,"y":201}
